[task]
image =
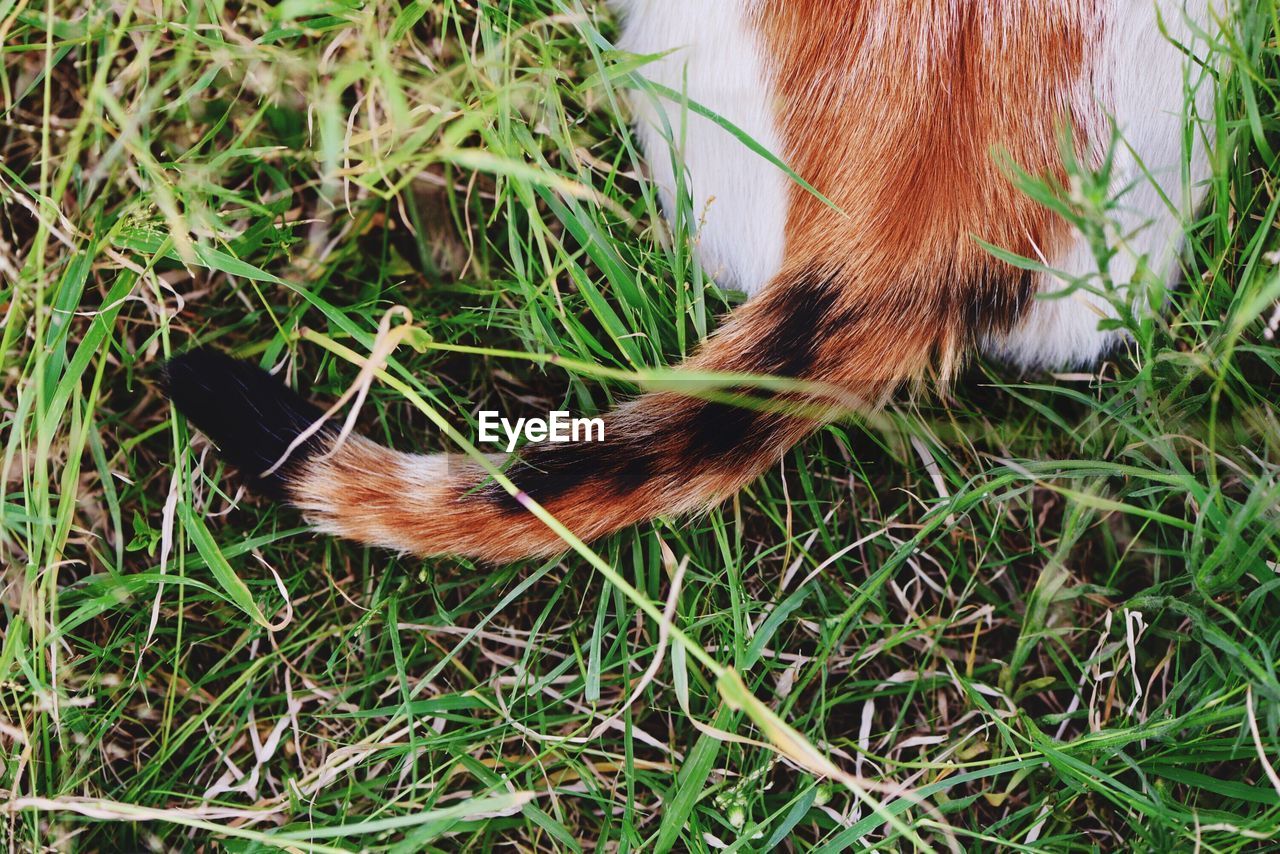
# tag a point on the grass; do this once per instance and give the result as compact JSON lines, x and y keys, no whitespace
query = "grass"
{"x":1046,"y":608}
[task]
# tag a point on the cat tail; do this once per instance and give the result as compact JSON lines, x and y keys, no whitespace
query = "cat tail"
{"x":673,"y":451}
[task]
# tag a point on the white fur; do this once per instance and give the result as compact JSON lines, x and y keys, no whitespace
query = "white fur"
{"x":1141,"y":84}
{"x":739,"y":198}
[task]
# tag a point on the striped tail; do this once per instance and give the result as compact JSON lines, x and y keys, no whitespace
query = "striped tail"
{"x":664,"y":453}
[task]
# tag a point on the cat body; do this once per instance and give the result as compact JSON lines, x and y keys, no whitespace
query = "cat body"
{"x":888,"y":71}
{"x":903,"y":117}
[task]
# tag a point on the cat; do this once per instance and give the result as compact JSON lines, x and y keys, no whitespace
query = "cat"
{"x":902,"y":116}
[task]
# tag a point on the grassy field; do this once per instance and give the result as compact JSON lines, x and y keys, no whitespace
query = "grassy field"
{"x":1037,"y":612}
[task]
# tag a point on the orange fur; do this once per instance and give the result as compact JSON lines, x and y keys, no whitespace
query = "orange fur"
{"x":894,"y":110}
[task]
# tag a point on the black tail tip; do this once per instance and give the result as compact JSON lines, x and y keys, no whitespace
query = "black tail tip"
{"x":250,"y":415}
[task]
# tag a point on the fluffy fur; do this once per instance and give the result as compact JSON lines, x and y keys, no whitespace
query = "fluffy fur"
{"x":1139,"y":81}
{"x":894,"y":110}
{"x":739,"y":199}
